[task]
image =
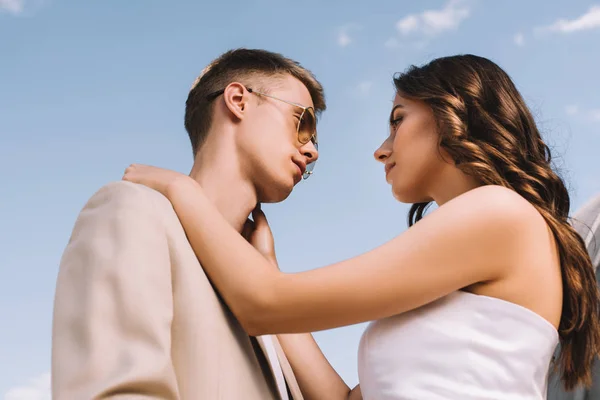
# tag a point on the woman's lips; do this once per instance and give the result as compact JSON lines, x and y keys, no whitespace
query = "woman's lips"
{"x":388,"y":168}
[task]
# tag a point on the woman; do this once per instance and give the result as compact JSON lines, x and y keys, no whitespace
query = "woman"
{"x":470,"y":301}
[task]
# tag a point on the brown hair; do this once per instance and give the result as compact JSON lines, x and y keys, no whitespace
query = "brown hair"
{"x":247,"y":66}
{"x":489,"y":132}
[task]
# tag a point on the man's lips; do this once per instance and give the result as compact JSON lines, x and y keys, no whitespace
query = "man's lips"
{"x":301,"y":166}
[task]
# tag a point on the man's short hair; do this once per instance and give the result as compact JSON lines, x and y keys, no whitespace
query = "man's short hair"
{"x":249,"y":67}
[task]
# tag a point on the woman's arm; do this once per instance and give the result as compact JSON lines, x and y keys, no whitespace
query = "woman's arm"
{"x":355,"y":394}
{"x":316,"y":377}
{"x":470,"y":239}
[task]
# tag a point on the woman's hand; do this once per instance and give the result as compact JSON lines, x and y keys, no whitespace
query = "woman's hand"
{"x":258,"y":234}
{"x":160,"y":179}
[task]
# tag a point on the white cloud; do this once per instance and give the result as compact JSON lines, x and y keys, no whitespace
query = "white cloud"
{"x":343,"y":37}
{"x":360,"y":90}
{"x":12,"y":6}
{"x":572,"y":109}
{"x":408,"y":24}
{"x":519,"y":39}
{"x":589,"y":20}
{"x":435,"y":22}
{"x":365,"y":87}
{"x":395,"y":43}
{"x":585,"y":114}
{"x":595,"y":115}
{"x":36,"y":389}
{"x":392,"y":43}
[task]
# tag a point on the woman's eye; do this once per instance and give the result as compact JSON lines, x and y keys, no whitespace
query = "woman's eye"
{"x":395,"y":122}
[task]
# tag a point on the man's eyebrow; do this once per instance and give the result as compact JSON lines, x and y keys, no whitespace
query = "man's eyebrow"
{"x":397,"y":106}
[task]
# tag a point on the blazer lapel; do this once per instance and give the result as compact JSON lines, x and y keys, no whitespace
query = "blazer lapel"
{"x":269,"y":350}
{"x":288,"y":373}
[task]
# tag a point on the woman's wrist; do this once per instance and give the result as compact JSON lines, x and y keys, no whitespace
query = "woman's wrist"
{"x":181,"y":185}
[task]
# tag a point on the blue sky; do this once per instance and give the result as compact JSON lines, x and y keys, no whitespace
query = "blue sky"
{"x":87,"y":88}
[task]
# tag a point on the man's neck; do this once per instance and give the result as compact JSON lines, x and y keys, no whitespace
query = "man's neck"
{"x":220,"y":177}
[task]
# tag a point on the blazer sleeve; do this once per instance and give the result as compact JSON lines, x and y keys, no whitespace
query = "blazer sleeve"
{"x":111,"y":333}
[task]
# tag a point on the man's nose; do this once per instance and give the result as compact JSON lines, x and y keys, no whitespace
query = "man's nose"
{"x":309,"y":151}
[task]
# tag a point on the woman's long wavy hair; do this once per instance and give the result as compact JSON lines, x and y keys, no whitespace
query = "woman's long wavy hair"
{"x":489,"y":132}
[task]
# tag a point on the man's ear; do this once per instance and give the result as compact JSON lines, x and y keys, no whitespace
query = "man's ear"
{"x":236,"y":99}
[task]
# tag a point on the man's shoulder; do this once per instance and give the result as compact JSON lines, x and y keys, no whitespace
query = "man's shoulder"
{"x":125,"y":205}
{"x":128,"y":193}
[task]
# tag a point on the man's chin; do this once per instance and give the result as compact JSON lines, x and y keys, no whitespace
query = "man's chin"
{"x":277,"y":194}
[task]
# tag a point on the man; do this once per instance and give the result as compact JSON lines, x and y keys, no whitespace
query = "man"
{"x":135,"y":316}
{"x":587,"y":223}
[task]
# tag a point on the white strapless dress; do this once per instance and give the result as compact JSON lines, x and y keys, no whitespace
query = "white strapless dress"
{"x":460,"y":347}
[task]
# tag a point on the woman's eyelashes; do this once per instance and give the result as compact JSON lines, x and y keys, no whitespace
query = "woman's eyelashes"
{"x":395,"y":122}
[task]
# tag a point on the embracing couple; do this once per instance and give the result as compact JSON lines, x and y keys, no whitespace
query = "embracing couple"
{"x":168,"y":290}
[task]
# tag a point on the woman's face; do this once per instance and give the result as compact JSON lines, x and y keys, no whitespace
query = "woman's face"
{"x":411,"y":154}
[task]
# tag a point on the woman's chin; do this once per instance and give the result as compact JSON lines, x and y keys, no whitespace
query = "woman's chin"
{"x":408,"y":196}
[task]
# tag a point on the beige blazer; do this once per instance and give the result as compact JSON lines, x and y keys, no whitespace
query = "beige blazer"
{"x":135,"y":316}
